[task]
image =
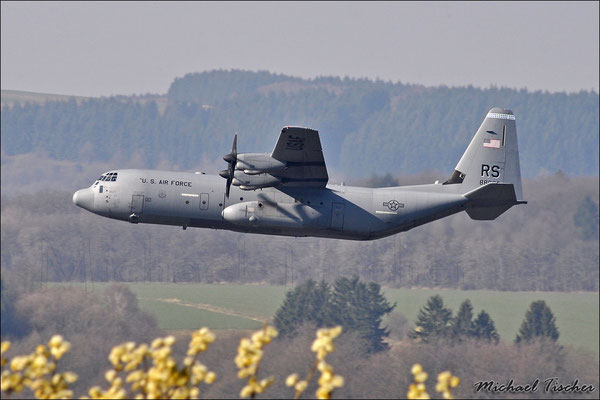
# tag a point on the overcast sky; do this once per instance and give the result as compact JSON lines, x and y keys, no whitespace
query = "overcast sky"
{"x":95,"y":49}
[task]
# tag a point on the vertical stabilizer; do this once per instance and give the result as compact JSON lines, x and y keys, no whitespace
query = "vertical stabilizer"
{"x":492,"y":155}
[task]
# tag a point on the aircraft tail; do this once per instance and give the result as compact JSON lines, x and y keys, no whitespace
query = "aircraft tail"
{"x":492,"y":159}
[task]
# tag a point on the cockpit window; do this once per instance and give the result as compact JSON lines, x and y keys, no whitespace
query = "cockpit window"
{"x":108,"y":177}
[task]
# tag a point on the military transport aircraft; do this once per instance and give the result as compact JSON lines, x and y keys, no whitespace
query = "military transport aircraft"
{"x":286,"y":192}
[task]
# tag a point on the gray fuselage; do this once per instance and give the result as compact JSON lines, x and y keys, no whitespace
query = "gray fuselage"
{"x":198,"y":200}
{"x":285,"y":192}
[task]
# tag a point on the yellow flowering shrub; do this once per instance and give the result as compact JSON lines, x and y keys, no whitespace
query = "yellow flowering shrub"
{"x":328,"y":381}
{"x":248,"y":359}
{"x":418,"y":390}
{"x":37,"y":371}
{"x":445,"y":382}
{"x":150,"y":372}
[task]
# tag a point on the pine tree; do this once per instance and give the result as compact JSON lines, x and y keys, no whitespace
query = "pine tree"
{"x":360,"y":307}
{"x":484,"y":328}
{"x":462,"y":324}
{"x":539,"y":323}
{"x":433,"y":321}
{"x":355,"y":305}
{"x":586,"y":218}
{"x":308,"y":302}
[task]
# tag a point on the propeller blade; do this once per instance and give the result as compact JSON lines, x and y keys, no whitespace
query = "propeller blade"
{"x":227,"y":187}
{"x":231,"y":158}
{"x":230,"y":173}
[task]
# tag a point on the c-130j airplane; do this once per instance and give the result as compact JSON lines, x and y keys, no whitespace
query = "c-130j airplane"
{"x":286,"y":192}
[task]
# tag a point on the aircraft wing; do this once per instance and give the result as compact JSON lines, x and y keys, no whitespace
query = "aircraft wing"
{"x":300,"y":149}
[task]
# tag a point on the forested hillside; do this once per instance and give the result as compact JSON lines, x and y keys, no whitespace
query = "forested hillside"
{"x":550,"y":244}
{"x":367,"y":127}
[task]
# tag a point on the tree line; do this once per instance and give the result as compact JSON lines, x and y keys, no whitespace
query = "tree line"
{"x":550,"y":244}
{"x":366,"y":126}
{"x":350,"y":303}
{"x":360,"y":307}
{"x":435,"y":323}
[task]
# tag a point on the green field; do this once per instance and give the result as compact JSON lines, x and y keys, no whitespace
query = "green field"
{"x":576,"y":313}
{"x":187,"y":318}
{"x":189,"y":306}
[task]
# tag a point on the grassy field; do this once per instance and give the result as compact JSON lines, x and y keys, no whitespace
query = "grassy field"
{"x":171,"y":315}
{"x":189,"y":306}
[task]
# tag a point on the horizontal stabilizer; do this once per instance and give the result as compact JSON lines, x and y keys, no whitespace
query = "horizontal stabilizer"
{"x":488,"y":202}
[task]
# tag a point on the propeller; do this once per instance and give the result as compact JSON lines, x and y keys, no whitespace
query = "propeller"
{"x":231,"y":159}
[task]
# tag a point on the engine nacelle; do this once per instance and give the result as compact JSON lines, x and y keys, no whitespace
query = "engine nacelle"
{"x":258,"y":163}
{"x":253,"y":182}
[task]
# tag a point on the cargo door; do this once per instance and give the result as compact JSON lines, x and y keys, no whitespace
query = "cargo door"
{"x":137,"y":204}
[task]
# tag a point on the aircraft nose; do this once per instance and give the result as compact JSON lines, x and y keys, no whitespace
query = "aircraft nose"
{"x":84,"y":198}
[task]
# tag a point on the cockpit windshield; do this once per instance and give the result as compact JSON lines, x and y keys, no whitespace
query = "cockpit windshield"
{"x":107,"y":177}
